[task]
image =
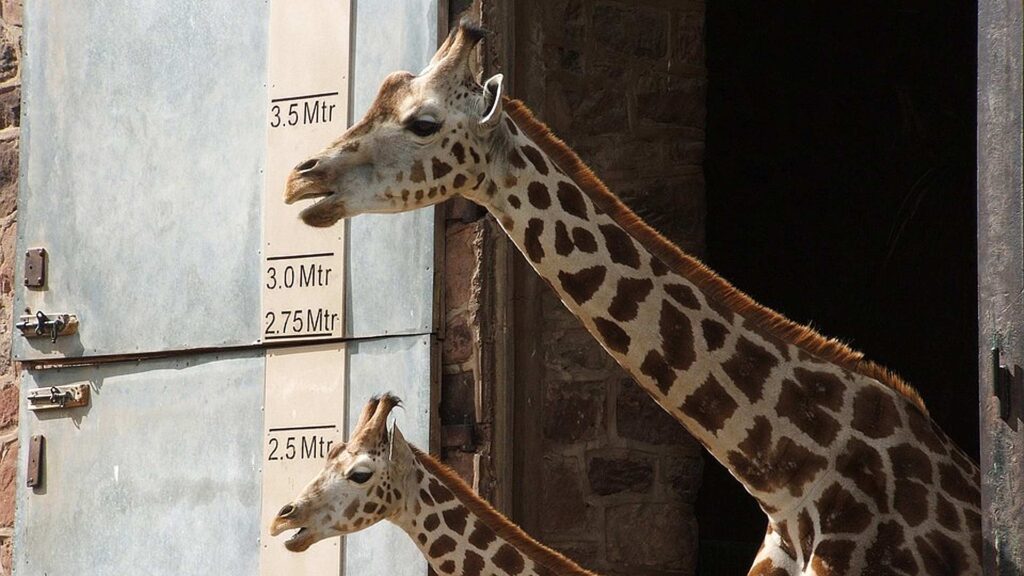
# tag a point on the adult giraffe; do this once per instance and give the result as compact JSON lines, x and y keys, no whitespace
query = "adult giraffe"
{"x":378,"y":476}
{"x":841,"y":454}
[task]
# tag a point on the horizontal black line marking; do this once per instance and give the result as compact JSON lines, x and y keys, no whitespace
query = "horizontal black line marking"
{"x":297,"y":256}
{"x":291,"y":428}
{"x":320,"y":335}
{"x":306,"y":97}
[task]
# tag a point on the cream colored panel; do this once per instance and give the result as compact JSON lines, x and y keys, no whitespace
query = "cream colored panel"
{"x":304,"y":415}
{"x":308,"y":92}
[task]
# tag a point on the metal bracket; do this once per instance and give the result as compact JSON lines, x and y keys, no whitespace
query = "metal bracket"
{"x":50,"y":326}
{"x":1002,"y":381}
{"x":35,"y":268}
{"x":35,"y":461}
{"x":58,"y":397}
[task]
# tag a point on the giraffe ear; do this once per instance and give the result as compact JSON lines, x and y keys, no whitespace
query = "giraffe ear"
{"x":494,"y":89}
{"x":398,"y":448}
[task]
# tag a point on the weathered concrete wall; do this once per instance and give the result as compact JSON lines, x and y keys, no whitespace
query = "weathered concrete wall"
{"x":10,"y":107}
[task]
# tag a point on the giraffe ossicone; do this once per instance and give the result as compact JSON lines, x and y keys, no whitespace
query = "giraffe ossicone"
{"x":378,"y":476}
{"x":840,"y":453}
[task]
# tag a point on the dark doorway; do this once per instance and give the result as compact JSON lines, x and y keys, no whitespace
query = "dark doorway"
{"x":841,"y":192}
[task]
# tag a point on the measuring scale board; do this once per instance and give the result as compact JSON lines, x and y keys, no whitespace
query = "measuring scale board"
{"x":302,"y":275}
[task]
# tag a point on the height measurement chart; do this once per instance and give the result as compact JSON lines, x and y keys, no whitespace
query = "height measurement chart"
{"x":302,"y":292}
{"x":302,"y":273}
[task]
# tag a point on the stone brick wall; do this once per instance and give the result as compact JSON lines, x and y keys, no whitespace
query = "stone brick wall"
{"x":10,"y":109}
{"x":623,"y":83}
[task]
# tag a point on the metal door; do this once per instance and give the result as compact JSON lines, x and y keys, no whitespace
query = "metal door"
{"x":146,"y":156}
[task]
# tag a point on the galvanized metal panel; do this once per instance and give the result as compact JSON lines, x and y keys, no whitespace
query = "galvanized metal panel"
{"x":142,"y":146}
{"x":158,"y":476}
{"x":390,"y":257}
{"x":1001,"y":279}
{"x":401,"y":366}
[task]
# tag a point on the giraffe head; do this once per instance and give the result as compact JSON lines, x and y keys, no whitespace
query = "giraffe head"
{"x":362,"y":483}
{"x":426,"y":137}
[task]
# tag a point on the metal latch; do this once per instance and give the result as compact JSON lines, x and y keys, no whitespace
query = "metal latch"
{"x":50,"y":326}
{"x":57,"y":397}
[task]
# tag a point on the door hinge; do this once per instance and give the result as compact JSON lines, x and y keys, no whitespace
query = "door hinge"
{"x":1002,"y":384}
{"x":34,"y":477}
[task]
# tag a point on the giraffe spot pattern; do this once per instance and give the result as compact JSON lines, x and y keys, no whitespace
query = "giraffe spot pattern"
{"x":658,"y":267}
{"x":534,"y":249}
{"x":508,"y":559}
{"x":459,"y":152}
{"x":584,"y":240}
{"x":582,"y":285}
{"x":444,"y":544}
{"x":714,"y":333}
{"x":946,"y":513}
{"x":910,"y":499}
{"x":920,"y":426}
{"x":874,"y":413}
{"x":514,"y":201}
{"x":655,"y":367}
{"x":768,"y":466}
{"x":863,"y":465}
{"x":620,"y":246}
{"x":417,"y":174}
{"x":710,"y":405}
{"x":536,"y":158}
{"x":721,"y":309}
{"x":439,"y":491}
{"x":767,"y":568}
{"x":571,"y":199}
{"x":805,"y":533}
{"x":749,"y":368}
{"x":472,"y":564}
{"x":455,"y":519}
{"x":629,"y":294}
{"x":431,"y":522}
{"x":511,"y":126}
{"x":613,"y":335}
{"x":910,"y":462}
{"x":801,"y":407}
{"x":516,"y":160}
{"x":563,"y":244}
{"x":832,"y":556}
{"x":953,"y":483}
{"x":940,"y":554}
{"x":538,"y":195}
{"x":839,"y":512}
{"x":677,"y":342}
{"x":460,"y":181}
{"x":482,"y":536}
{"x":888,"y":549}
{"x":475,"y":156}
{"x":684,"y":295}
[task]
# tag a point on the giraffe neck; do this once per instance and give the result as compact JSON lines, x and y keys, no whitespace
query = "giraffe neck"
{"x":766,"y":405}
{"x":459,"y":533}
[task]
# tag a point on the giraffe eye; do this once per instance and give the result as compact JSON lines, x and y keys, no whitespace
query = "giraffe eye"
{"x":360,"y":476}
{"x":423,"y":127}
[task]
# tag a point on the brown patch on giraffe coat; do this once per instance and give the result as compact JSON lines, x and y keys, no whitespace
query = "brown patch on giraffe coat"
{"x":874,"y":413}
{"x":941,"y":554}
{"x":802,"y":406}
{"x":571,"y":199}
{"x":514,"y":201}
{"x":584,"y":240}
{"x":352,"y":509}
{"x":710,"y":405}
{"x":839,"y":512}
{"x":749,"y":368}
{"x":887,"y":550}
{"x":677,"y":342}
{"x":582,"y":285}
{"x":418,"y":173}
{"x":655,"y":367}
{"x":563,"y":244}
{"x":460,"y":180}
{"x":863,"y":464}
{"x":511,"y":126}
{"x":444,"y":544}
{"x":475,"y":156}
{"x":370,"y":508}
{"x":684,"y":295}
{"x":482,"y":536}
{"x":910,"y":462}
{"x":805,"y":534}
{"x":439,"y":492}
{"x":447,"y":567}
{"x":658,"y":268}
{"x":431,"y":522}
{"x":531,"y":239}
{"x":785,"y":539}
{"x":768,"y":466}
{"x":946,"y":513}
{"x":455,"y":519}
{"x":459,"y":152}
{"x":921,"y":426}
{"x":963,"y":462}
{"x":629,"y":294}
{"x":973,"y":519}
{"x":538,"y":195}
{"x":910,"y":500}
{"x":536,"y":158}
{"x":620,"y":246}
{"x":956,"y":485}
{"x":472,"y":564}
{"x":613,"y":335}
{"x":515,"y":159}
{"x":508,"y":559}
{"x":714,"y":333}
{"x":767,"y":568}
{"x":832,"y":557}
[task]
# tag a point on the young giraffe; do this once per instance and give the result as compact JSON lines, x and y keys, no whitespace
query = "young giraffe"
{"x":840,"y":453}
{"x":379,"y":476}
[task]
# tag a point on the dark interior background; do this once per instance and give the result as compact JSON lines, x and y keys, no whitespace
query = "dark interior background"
{"x":841,"y":192}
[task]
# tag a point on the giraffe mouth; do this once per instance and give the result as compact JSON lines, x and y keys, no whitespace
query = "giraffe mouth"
{"x":300,"y":541}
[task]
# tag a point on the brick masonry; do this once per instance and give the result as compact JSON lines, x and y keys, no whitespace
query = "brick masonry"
{"x":10,"y":109}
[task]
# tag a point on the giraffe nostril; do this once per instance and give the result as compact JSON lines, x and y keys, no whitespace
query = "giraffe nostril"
{"x":287,"y":511}
{"x":307,"y":165}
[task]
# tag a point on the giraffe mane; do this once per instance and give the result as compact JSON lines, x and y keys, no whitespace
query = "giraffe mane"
{"x":505,"y":529}
{"x":773,"y":323}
